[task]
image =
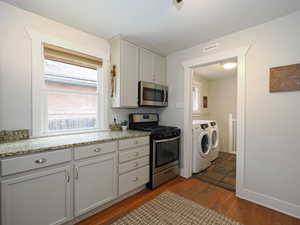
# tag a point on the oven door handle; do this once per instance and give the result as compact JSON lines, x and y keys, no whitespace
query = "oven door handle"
{"x":167,"y":140}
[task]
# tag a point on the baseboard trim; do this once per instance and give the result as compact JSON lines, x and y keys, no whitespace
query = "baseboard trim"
{"x":270,"y":202}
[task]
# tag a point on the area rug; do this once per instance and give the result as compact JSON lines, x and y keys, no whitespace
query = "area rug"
{"x":221,"y":173}
{"x":169,"y":208}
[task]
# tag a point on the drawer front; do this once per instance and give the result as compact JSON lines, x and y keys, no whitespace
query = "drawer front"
{"x":94,"y":150}
{"x":132,"y":154}
{"x":134,"y":179}
{"x":133,"y":142}
{"x":34,"y":161}
{"x":125,"y":167}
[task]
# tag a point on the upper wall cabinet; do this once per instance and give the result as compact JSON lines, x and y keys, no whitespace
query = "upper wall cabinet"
{"x":125,"y":56}
{"x":152,"y":67}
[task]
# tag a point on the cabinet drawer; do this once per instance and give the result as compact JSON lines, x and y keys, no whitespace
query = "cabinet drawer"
{"x":132,"y":154}
{"x":34,"y":161}
{"x":134,"y":179}
{"x":133,"y":142}
{"x":94,"y":150}
{"x":125,"y":167}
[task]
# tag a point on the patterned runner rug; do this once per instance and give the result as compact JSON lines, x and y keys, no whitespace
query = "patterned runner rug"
{"x":169,"y":208}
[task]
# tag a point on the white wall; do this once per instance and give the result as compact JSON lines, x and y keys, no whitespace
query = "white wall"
{"x":222,"y":102}
{"x":272,"y":119}
{"x":15,"y":62}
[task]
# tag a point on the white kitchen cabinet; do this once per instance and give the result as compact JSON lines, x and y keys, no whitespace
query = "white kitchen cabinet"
{"x":146,"y":65}
{"x":42,"y":198}
{"x":160,"y":69}
{"x":125,"y":56}
{"x":133,"y":163}
{"x":152,"y":67}
{"x":95,"y":183}
{"x":134,"y":179}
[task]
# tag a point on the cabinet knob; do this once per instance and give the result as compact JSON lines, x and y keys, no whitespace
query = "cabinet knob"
{"x":136,"y":179}
{"x":76,"y":173}
{"x":136,"y":153}
{"x":136,"y":142}
{"x":41,"y":161}
{"x":68,"y":177}
{"x":136,"y":164}
{"x":97,"y":150}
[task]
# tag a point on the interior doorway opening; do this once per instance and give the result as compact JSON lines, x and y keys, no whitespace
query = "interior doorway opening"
{"x":214,"y":110}
{"x":187,"y":153}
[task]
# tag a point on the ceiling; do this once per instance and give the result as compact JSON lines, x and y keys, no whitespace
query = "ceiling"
{"x":215,"y":71}
{"x":157,"y":24}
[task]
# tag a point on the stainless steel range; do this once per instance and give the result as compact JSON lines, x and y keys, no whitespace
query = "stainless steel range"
{"x":164,"y":147}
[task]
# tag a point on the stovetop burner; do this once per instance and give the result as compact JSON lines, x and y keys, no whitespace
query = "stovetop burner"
{"x":149,"y":123}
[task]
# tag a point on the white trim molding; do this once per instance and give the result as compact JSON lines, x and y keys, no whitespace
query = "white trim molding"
{"x":240,"y":54}
{"x":271,"y":202}
{"x":38,"y":115}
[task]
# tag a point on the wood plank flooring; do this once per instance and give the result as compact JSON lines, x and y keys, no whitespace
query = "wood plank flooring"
{"x":216,"y":198}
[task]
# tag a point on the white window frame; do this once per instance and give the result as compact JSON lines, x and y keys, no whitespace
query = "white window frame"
{"x":39,"y":109}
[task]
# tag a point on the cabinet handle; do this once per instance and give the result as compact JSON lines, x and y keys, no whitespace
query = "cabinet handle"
{"x":41,"y":161}
{"x":97,"y":150}
{"x":68,"y":177}
{"x":76,"y":173}
{"x":136,"y":179}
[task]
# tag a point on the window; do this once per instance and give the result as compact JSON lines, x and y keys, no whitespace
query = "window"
{"x":71,"y":90}
{"x":196,"y":98}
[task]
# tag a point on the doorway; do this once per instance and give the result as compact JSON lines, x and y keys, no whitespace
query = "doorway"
{"x":214,"y":105}
{"x":187,"y":153}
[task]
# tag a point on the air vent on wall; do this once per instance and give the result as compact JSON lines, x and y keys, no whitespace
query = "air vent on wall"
{"x":211,"y":47}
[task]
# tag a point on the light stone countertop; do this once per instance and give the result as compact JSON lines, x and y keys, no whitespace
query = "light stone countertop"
{"x":42,"y":144}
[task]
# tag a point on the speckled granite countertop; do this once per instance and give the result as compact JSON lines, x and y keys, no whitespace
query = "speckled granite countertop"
{"x":66,"y":141}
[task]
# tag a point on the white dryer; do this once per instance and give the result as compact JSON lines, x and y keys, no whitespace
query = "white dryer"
{"x":214,"y":137}
{"x":201,"y":146}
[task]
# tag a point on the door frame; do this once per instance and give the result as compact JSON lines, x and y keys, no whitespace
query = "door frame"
{"x":240,"y":54}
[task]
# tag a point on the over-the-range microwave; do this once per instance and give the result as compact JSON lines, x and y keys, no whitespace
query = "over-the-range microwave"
{"x":151,"y":94}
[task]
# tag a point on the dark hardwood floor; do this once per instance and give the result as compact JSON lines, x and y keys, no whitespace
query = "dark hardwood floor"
{"x":216,"y":198}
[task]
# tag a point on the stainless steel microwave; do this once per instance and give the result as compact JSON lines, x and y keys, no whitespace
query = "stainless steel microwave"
{"x":151,"y":94}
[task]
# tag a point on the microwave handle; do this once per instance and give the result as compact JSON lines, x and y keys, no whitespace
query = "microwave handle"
{"x":165,"y":96}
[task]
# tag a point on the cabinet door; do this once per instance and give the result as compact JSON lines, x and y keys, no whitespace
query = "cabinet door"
{"x":40,"y":199}
{"x":159,"y":69}
{"x":129,"y":74}
{"x":146,"y":65}
{"x":95,"y":183}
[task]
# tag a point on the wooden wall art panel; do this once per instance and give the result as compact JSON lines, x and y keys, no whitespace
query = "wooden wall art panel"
{"x":205,"y":102}
{"x":285,"y":78}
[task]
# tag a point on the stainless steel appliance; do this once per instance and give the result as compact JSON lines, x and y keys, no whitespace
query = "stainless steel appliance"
{"x":164,"y":147}
{"x":151,"y":94}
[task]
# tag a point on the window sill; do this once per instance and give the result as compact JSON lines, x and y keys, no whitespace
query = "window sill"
{"x":53,"y":134}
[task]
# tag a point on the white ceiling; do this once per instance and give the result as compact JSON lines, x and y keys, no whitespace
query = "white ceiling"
{"x":215,"y":71}
{"x":157,"y":24}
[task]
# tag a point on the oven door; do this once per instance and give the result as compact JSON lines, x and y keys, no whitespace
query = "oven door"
{"x":151,"y":94}
{"x":166,"y":154}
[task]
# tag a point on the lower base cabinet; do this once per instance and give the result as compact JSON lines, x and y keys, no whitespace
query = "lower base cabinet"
{"x":37,"y":199}
{"x":134,"y":179}
{"x":95,"y":183}
{"x":73,"y":186}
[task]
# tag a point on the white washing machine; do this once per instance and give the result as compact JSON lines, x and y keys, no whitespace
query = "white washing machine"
{"x":201,"y":146}
{"x":214,"y":138}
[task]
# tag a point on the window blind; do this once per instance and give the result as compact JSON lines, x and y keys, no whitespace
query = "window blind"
{"x":60,"y":54}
